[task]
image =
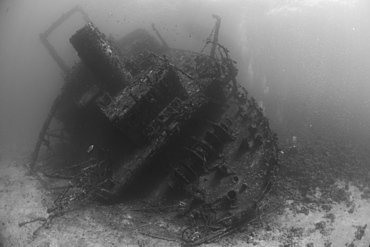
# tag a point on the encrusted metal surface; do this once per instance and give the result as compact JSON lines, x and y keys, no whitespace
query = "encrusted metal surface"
{"x":168,"y":124}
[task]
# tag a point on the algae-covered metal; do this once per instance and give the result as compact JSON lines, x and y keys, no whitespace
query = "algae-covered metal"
{"x":165,"y":123}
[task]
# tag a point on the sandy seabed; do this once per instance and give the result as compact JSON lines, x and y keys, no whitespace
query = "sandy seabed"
{"x":23,"y":198}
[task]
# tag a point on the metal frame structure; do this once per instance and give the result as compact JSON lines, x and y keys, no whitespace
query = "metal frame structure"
{"x":44,"y":40}
{"x":44,"y":36}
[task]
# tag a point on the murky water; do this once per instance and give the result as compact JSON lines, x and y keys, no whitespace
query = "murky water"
{"x":306,"y":62}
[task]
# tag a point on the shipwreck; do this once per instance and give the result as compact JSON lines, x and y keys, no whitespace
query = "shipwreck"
{"x":140,"y":117}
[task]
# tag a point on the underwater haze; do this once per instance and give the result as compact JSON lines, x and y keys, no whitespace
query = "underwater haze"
{"x":307,"y":62}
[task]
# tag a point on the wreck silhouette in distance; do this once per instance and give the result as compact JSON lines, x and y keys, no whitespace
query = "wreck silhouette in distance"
{"x":168,"y":125}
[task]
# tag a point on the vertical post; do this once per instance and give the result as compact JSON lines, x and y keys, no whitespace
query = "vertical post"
{"x":215,"y":36}
{"x":164,"y":44}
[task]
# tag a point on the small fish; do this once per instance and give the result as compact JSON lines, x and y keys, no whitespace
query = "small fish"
{"x":294,"y":140}
{"x":90,"y":148}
